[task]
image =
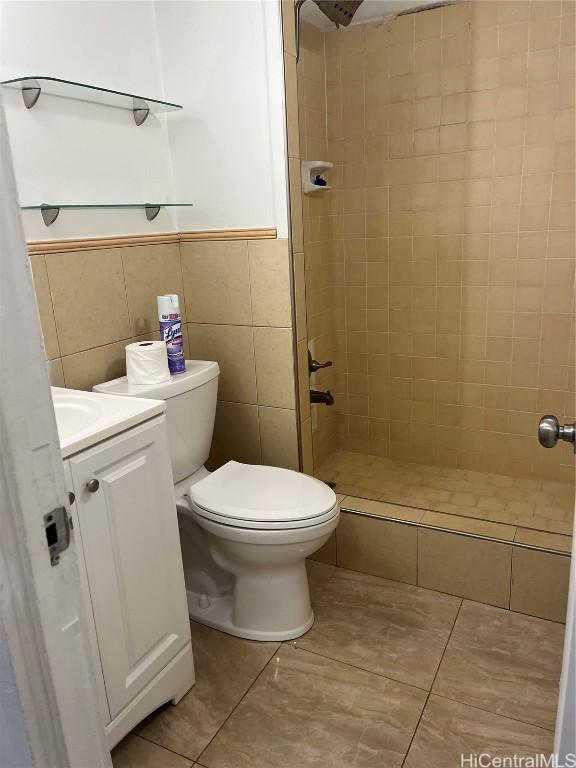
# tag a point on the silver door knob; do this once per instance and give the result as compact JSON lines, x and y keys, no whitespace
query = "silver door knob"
{"x":550,"y":431}
{"x":93,"y":485}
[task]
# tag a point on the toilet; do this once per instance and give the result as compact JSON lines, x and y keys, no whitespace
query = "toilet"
{"x":245,"y":530}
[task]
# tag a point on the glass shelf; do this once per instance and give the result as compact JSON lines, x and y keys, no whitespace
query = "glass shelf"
{"x":50,"y":211}
{"x":140,"y":106}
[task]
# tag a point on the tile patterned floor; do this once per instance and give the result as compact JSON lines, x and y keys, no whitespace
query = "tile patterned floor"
{"x":542,"y":505}
{"x":390,"y":675}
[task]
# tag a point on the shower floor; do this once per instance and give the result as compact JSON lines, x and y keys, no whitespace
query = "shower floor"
{"x":541,"y":505}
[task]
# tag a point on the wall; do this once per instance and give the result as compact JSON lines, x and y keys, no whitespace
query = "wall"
{"x":221,"y":61}
{"x":229,"y":155}
{"x":453,"y":134}
{"x":235,"y":304}
{"x":70,"y":152}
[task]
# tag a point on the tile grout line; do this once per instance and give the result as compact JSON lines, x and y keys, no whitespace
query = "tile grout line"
{"x":246,"y":692}
{"x":432,"y":683}
{"x":353,"y":666}
{"x":491,"y":712}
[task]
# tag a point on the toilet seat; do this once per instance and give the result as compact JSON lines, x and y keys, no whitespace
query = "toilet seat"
{"x":261,"y":497}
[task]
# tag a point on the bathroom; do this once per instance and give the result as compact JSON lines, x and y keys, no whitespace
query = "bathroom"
{"x":366,"y":211}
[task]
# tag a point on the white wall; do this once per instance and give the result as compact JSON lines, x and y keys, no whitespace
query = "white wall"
{"x":221,"y":60}
{"x":67,"y":151}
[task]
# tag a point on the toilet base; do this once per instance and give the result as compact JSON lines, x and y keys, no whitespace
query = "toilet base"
{"x":217,"y":614}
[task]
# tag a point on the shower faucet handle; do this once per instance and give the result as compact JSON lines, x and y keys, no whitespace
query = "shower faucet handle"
{"x":314,"y":365}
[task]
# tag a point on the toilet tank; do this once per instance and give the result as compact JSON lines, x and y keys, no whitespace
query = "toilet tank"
{"x":190,"y":410}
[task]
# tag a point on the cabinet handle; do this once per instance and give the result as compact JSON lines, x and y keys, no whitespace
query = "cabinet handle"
{"x":71,"y":497}
{"x":93,"y":485}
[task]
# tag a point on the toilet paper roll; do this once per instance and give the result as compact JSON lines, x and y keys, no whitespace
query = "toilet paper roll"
{"x":147,"y":362}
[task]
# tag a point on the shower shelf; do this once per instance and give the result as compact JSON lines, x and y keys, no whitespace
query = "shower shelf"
{"x":310,"y":169}
{"x":50,"y":211}
{"x":140,"y":106}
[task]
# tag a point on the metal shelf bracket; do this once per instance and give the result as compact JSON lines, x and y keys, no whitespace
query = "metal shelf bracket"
{"x":140,"y":110}
{"x":152,"y":211}
{"x":31,"y":93}
{"x":49,"y":213}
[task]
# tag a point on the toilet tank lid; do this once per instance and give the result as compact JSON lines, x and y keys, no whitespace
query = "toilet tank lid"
{"x":197,"y":373}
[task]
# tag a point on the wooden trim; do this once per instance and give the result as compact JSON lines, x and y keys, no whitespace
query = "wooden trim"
{"x":228,"y":234}
{"x":125,"y":241}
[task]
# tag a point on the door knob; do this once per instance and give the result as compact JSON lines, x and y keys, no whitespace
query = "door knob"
{"x":93,"y":485}
{"x":314,"y":365}
{"x":550,"y":431}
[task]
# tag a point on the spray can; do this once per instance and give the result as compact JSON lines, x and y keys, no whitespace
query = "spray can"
{"x":171,"y":331}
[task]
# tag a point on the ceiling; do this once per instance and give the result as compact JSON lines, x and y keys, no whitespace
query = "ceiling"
{"x":370,"y":10}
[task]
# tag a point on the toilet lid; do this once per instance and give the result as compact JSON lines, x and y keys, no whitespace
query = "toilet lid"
{"x":262,"y":494}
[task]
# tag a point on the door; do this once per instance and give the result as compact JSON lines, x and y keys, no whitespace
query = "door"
{"x":48,"y":701}
{"x":127,"y":514}
{"x":549,"y":432}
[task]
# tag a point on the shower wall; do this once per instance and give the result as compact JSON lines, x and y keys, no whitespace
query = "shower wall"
{"x":440,"y":268}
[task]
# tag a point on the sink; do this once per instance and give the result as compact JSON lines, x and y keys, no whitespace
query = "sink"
{"x":74,"y":414}
{"x":86,"y":418}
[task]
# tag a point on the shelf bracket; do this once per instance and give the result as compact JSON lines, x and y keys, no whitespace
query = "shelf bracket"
{"x":140,"y":110}
{"x":31,"y":93}
{"x":49,"y":213}
{"x":152,"y":211}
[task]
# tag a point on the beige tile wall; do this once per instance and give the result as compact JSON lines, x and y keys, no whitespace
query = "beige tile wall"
{"x":236,"y":309}
{"x":453,"y":134}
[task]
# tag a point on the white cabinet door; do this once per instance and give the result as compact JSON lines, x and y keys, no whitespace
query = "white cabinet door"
{"x":133,"y":560}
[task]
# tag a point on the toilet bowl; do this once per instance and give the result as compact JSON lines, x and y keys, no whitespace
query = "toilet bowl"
{"x":245,"y":530}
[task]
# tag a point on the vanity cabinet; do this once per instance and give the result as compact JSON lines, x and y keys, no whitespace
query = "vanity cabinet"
{"x":127,"y":533}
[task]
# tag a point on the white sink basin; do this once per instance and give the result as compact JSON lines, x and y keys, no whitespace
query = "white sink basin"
{"x":86,"y":418}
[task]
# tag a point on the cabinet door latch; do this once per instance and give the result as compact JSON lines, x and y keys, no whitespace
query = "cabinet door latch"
{"x":57,"y":526}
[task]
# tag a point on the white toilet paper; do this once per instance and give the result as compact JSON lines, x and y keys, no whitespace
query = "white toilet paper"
{"x":147,"y":362}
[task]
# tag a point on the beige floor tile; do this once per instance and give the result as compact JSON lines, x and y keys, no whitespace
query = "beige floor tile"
{"x":449,"y":730}
{"x":383,"y":509}
{"x":318,"y":574}
{"x":382,"y":626}
{"x":225,"y":668}
{"x":309,"y":711}
{"x":464,"y":493}
{"x":503,"y":662}
{"x":540,"y":584}
{"x":134,"y":752}
{"x":378,"y":547}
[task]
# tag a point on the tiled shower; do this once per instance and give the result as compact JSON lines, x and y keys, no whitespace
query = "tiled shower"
{"x":440,"y":266}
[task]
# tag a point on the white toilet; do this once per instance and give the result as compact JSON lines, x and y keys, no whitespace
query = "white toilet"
{"x":245,"y":530}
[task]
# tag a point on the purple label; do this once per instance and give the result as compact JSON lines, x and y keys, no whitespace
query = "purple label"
{"x":171,"y":333}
